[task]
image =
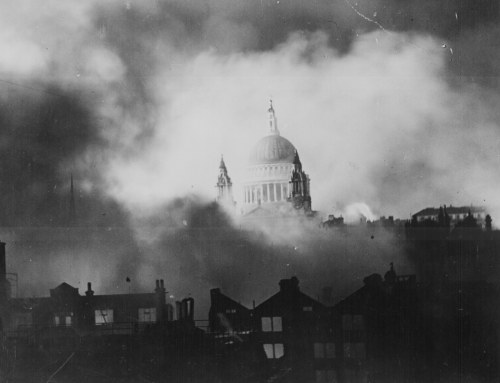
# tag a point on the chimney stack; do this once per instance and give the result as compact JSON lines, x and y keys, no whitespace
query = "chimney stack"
{"x":160,"y":301}
{"x":89,"y":291}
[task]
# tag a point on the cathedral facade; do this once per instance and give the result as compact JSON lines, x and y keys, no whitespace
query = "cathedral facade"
{"x":275,"y":181}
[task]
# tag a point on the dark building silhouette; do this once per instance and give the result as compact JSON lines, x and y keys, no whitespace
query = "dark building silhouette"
{"x":333,"y":221}
{"x":228,"y":317}
{"x":454,"y":214}
{"x":292,"y":329}
{"x":376,"y":330}
{"x":458,"y":267}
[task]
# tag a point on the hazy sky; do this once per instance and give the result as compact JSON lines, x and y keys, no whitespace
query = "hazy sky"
{"x":391,"y":104}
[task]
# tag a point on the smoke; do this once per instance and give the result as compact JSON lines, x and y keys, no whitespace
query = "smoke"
{"x":138,"y":99}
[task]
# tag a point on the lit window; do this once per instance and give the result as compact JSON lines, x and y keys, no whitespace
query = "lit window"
{"x":274,"y":351}
{"x":103,"y":316}
{"x":63,"y":319}
{"x":147,"y":315}
{"x":231,"y":311}
{"x":277,"y":327}
{"x":266,"y":324}
{"x":271,"y":324}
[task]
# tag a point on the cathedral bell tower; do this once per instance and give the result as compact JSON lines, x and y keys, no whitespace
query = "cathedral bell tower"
{"x":224,"y":185}
{"x":299,"y":182}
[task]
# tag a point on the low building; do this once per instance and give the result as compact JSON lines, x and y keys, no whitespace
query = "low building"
{"x":455,"y":214}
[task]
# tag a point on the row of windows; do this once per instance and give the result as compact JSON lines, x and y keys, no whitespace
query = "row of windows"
{"x":452,"y":216}
{"x":145,"y":315}
{"x":105,"y":316}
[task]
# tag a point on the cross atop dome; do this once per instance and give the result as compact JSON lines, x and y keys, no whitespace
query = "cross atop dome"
{"x":273,"y":122}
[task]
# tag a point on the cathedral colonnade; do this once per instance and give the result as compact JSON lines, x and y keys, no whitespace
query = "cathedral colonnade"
{"x":266,"y":192}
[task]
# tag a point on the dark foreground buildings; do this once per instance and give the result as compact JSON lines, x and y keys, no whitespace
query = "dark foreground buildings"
{"x":439,"y":325}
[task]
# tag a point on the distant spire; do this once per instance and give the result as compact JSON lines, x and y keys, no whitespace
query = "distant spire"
{"x":222,"y":165}
{"x":296,"y":159}
{"x":224,"y":184}
{"x":273,"y":122}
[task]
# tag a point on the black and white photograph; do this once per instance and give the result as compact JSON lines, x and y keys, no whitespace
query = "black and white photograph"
{"x":255,"y":191}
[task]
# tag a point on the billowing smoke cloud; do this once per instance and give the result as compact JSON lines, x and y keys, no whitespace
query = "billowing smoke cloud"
{"x":388,"y":103}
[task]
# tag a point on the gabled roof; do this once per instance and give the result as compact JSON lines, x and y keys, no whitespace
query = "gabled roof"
{"x":289,"y":297}
{"x":280,"y":299}
{"x":223,"y":301}
{"x":64,"y":289}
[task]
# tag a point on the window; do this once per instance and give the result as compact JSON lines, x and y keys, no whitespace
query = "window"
{"x":266,"y":324}
{"x":103,"y":316}
{"x":307,"y":308}
{"x":326,"y":376}
{"x":147,"y":315}
{"x":63,"y":319}
{"x":230,"y":311}
{"x":354,"y":350}
{"x":353,"y":322}
{"x":324,"y":350}
{"x":271,"y":324}
{"x":274,"y":351}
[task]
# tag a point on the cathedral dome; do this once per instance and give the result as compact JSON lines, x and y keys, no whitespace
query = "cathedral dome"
{"x":271,"y":150}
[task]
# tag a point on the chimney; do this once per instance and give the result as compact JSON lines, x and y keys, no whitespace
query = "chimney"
{"x":89,"y":291}
{"x":160,"y":301}
{"x":188,"y":308}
